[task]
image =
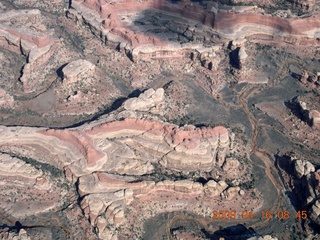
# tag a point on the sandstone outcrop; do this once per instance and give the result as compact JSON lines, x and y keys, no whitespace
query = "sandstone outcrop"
{"x":114,"y":22}
{"x":131,"y":167}
{"x":311,"y":193}
{"x":147,"y":101}
{"x":215,"y":188}
{"x":12,"y":235}
{"x":266,"y":237}
{"x":315,"y":212}
{"x":19,"y":177}
{"x":242,"y":55}
{"x":13,"y":166}
{"x":22,"y":31}
{"x":312,"y":186}
{"x":230,"y":193}
{"x":123,"y":168}
{"x":231,"y":164}
{"x":308,"y":114}
{"x":77,"y":70}
{"x":303,"y":168}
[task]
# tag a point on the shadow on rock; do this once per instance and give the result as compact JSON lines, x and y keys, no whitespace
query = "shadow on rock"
{"x":237,"y":232}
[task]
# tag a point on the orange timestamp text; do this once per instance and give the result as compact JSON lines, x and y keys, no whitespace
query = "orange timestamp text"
{"x":249,"y":214}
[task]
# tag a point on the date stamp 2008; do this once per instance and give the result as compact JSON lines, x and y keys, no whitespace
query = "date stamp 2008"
{"x":248,"y":214}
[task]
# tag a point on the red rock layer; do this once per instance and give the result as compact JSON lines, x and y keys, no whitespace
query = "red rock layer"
{"x":83,"y":143}
{"x":172,"y":133}
{"x":260,"y":28}
{"x":11,"y":37}
{"x":284,"y":26}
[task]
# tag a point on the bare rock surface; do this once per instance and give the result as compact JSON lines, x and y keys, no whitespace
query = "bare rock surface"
{"x":307,"y":111}
{"x":114,"y":21}
{"x":29,"y":36}
{"x":312,"y":191}
{"x":21,"y":235}
{"x":109,"y":160}
{"x":315,"y":212}
{"x":77,"y":70}
{"x":303,"y":167}
{"x":137,"y":119}
{"x":146,"y":101}
{"x":25,"y":178}
{"x":266,"y":237}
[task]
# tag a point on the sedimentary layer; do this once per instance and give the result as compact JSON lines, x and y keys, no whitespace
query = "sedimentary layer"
{"x":23,"y":32}
{"x":126,"y":24}
{"x":121,"y":166}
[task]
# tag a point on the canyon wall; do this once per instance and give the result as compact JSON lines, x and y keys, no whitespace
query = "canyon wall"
{"x":116,"y":23}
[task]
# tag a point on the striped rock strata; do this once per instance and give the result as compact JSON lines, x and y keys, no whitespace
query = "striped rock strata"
{"x":40,"y":193}
{"x":22,"y":31}
{"x":118,"y":24}
{"x":122,"y":166}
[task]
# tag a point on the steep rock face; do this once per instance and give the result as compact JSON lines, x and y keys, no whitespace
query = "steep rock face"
{"x":313,"y":195}
{"x":22,"y":31}
{"x":238,"y":57}
{"x":116,"y":23}
{"x":315,"y":212}
{"x":311,"y":191}
{"x":10,"y":235}
{"x":303,"y":167}
{"x":315,"y":118}
{"x":308,"y":114}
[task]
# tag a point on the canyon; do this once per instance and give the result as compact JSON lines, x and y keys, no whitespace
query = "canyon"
{"x":140,"y":119}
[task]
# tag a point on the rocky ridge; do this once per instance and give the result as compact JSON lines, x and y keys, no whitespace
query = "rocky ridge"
{"x":118,"y":24}
{"x":115,"y":164}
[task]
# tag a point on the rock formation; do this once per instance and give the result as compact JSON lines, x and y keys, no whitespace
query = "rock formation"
{"x":77,"y":70}
{"x":32,"y":182}
{"x":266,"y":237}
{"x":308,"y":187}
{"x":312,"y":195}
{"x":6,"y":101}
{"x":145,"y":159}
{"x":22,"y":31}
{"x":303,"y":168}
{"x":114,"y":22}
{"x":308,"y":114}
{"x":110,"y":159}
{"x":315,"y":212}
{"x":146,"y":101}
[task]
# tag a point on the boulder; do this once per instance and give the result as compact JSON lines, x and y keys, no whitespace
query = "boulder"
{"x":77,"y":70}
{"x":146,"y":101}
